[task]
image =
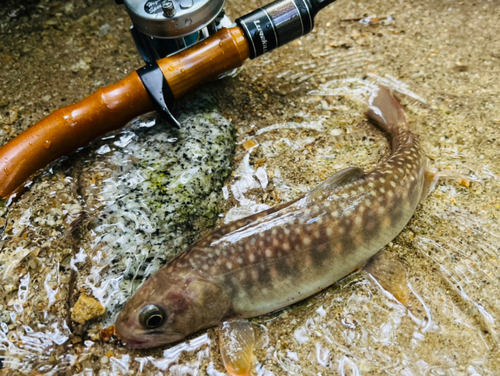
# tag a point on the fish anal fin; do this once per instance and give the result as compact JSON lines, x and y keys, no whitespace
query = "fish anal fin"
{"x":390,"y":273}
{"x":342,"y":178}
{"x":430,"y":181}
{"x":236,"y":346}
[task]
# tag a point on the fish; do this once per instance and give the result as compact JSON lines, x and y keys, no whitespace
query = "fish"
{"x":275,"y":258}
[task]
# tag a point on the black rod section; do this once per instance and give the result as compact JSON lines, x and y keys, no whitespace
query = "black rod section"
{"x":278,"y":23}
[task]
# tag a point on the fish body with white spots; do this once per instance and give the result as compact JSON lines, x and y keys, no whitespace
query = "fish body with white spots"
{"x":275,"y":258}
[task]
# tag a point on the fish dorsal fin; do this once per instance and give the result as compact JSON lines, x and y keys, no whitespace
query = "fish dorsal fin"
{"x":342,"y":178}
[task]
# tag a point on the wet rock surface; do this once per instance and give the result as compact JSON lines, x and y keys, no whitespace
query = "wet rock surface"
{"x":104,"y":219}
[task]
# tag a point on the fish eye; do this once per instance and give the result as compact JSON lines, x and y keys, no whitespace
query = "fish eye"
{"x":152,"y":316}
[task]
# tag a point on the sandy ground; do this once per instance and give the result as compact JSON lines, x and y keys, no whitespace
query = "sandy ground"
{"x":303,"y":106}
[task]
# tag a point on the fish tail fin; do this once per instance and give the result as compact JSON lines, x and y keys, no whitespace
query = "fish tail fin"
{"x":386,"y":111}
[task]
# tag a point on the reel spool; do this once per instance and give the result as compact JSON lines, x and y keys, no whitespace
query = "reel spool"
{"x":162,"y":27}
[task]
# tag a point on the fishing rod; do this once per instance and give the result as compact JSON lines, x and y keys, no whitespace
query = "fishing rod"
{"x":185,"y":44}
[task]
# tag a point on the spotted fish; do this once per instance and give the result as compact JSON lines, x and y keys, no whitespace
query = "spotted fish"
{"x":280,"y":256}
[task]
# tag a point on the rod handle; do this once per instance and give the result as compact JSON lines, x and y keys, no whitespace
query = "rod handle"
{"x":221,"y":52}
{"x":110,"y":108}
{"x":70,"y":128}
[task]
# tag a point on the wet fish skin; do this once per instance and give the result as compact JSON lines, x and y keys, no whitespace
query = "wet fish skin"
{"x":280,"y":256}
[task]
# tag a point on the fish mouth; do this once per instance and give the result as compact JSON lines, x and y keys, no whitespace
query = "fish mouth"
{"x":132,"y":343}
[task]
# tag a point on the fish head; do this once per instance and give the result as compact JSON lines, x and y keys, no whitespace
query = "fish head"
{"x":169,"y":307}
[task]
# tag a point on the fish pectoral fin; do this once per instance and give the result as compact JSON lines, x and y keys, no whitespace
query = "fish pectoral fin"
{"x":343,"y":177}
{"x":236,"y":345}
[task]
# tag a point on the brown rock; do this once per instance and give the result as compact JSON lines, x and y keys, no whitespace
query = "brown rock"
{"x":86,"y":308}
{"x":250,"y":144}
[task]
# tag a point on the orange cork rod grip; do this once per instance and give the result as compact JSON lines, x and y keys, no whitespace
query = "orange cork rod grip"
{"x":110,"y":108}
{"x":225,"y":50}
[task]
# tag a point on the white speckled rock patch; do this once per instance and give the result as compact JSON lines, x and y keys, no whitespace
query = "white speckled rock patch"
{"x":160,"y":187}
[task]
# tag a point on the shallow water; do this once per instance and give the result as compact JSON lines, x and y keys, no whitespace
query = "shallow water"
{"x":105,"y":219}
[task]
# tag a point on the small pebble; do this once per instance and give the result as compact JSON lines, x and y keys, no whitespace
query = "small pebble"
{"x":249,"y":144}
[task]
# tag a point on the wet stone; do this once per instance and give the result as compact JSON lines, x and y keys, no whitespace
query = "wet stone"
{"x":100,"y":224}
{"x":152,"y":195}
{"x":86,"y":308}
{"x":4,"y":317}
